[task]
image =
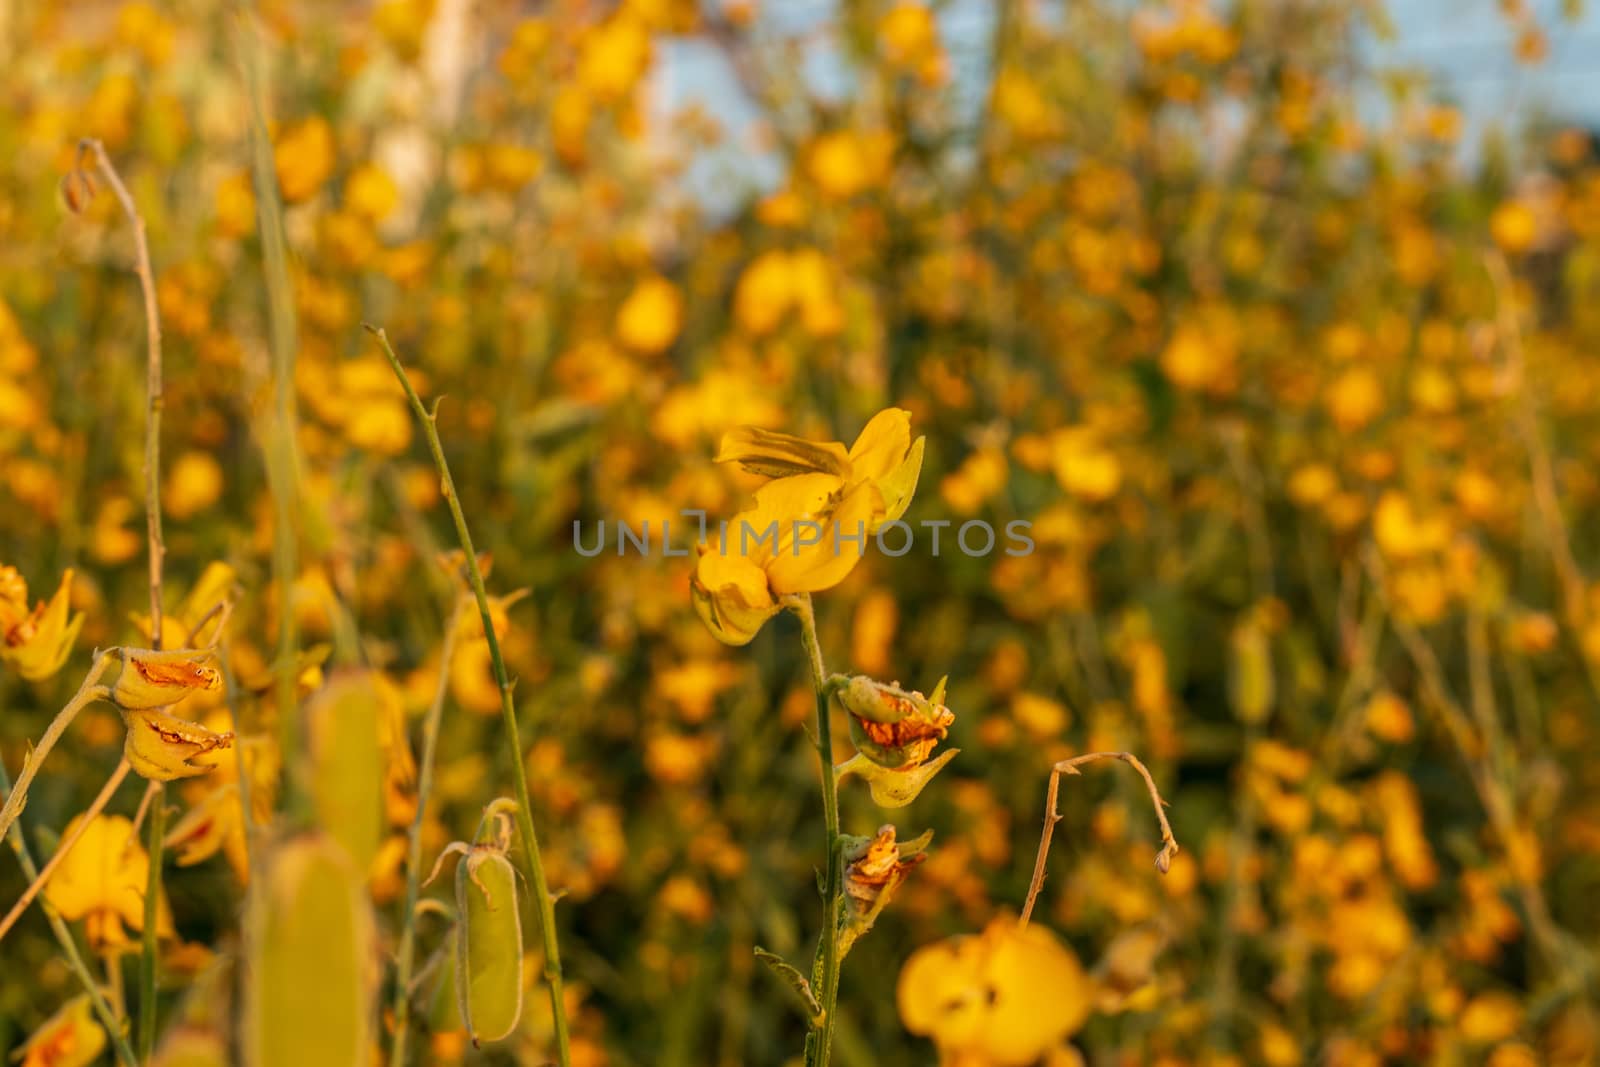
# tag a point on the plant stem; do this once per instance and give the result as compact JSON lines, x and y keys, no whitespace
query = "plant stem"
{"x":508,"y":711}
{"x":153,"y":390}
{"x":819,"y":1045}
{"x":87,"y":694}
{"x":1169,"y":844}
{"x":408,"y":931}
{"x":152,"y":903}
{"x":280,"y":447}
{"x":154,"y":401}
{"x":64,"y":848}
{"x":69,"y":947}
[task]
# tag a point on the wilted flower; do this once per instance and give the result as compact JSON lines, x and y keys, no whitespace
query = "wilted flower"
{"x":35,"y":642}
{"x":163,"y":747}
{"x":877,"y":866}
{"x":874,"y":868}
{"x":69,"y":1038}
{"x":893,"y":727}
{"x":151,"y":679}
{"x":1004,"y":997}
{"x":102,"y":881}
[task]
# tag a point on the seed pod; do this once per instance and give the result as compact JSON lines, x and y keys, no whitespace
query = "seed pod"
{"x":1250,"y":678}
{"x":311,"y":960}
{"x":488,"y":944}
{"x":347,"y":763}
{"x":444,"y":1011}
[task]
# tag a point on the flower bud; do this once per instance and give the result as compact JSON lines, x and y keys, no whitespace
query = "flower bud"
{"x":151,"y":679}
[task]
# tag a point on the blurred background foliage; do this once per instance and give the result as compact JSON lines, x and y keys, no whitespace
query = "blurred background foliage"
{"x":1294,"y":374}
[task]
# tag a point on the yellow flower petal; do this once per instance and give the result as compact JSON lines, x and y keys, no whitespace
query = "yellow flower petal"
{"x":882,"y":444}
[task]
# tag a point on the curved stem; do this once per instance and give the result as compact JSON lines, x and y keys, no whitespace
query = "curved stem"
{"x":1169,"y":844}
{"x":87,"y":694}
{"x":408,"y":934}
{"x":508,"y":712}
{"x":152,"y":904}
{"x":43,"y":876}
{"x":819,"y":1045}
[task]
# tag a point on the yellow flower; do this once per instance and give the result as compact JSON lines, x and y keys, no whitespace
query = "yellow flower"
{"x":847,"y":162}
{"x":102,"y":881}
{"x":1513,"y":227}
{"x":883,"y":456}
{"x":236,"y":205}
{"x":69,"y":1038}
{"x":651,"y":316}
{"x":803,"y":536}
{"x":809,"y":526}
{"x":35,"y":642}
{"x":304,"y":158}
{"x":371,"y":193}
{"x":613,"y":57}
{"x":1003,"y":997}
{"x":193,"y":484}
{"x":215,"y":819}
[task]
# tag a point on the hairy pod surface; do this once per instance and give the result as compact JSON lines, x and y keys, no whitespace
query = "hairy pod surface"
{"x":488,"y":976}
{"x":311,"y":960}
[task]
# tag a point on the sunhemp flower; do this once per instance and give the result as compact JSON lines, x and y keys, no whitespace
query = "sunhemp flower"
{"x":160,"y":745}
{"x":809,"y":526}
{"x":35,"y":642}
{"x":102,"y":881}
{"x":69,"y":1038}
{"x":1003,"y":998}
{"x":883,"y":456}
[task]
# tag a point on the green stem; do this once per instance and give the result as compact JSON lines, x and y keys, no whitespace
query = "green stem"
{"x":281,"y":451}
{"x":508,"y":711}
{"x":69,"y":947}
{"x":152,"y":910}
{"x":408,"y":932}
{"x":819,"y":1044}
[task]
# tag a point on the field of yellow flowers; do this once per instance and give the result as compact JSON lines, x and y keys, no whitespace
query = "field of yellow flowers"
{"x":1064,"y":537}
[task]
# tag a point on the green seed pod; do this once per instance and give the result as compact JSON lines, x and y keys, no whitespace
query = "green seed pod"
{"x":1250,"y":680}
{"x":347,"y":763}
{"x":488,"y":975}
{"x":311,"y":959}
{"x":444,"y":1013}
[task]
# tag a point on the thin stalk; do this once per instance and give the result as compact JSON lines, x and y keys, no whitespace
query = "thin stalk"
{"x":508,"y":711}
{"x":69,"y":947}
{"x":152,"y":902}
{"x":282,"y":458}
{"x":1169,"y":844}
{"x":153,"y":391}
{"x":154,"y":401}
{"x":819,"y":1044}
{"x":408,"y":932}
{"x":64,"y":848}
{"x":87,"y":694}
